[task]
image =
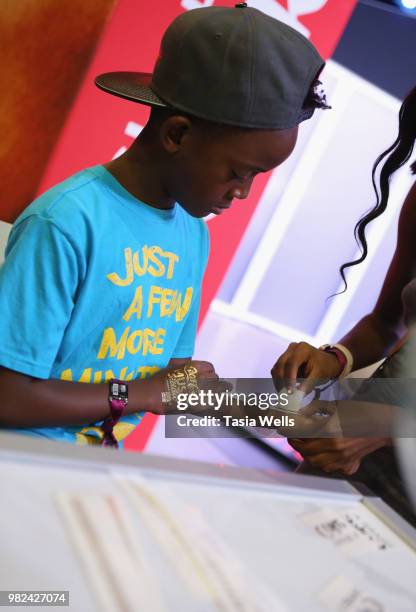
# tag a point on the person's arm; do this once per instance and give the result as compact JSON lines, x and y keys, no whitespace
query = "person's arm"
{"x":31,"y":402}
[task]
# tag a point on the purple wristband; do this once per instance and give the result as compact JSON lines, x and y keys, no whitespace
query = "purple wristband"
{"x":342,"y":360}
{"x":118,"y":399}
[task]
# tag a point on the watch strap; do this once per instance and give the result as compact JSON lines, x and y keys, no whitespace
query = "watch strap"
{"x":344,"y":356}
{"x":118,"y":400}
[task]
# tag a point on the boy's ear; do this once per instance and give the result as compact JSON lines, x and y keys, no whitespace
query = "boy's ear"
{"x":174,"y":131}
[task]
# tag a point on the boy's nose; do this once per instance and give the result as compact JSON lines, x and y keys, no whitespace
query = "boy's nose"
{"x":241,"y":192}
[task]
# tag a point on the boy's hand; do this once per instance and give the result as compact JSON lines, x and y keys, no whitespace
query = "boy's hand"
{"x":301,"y":360}
{"x":154,"y":387}
{"x":337,"y":454}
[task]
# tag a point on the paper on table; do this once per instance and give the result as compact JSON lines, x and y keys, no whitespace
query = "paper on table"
{"x":340,"y":595}
{"x":353,"y":531}
{"x":208,"y":568}
{"x":101,"y":531}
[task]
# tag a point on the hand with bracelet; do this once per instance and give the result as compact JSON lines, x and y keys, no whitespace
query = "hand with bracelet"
{"x":191,"y":377}
{"x":162,"y":391}
{"x":330,"y":454}
{"x":301,"y":360}
{"x":36,"y":403}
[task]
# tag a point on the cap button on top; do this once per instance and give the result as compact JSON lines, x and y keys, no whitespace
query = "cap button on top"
{"x":241,"y":5}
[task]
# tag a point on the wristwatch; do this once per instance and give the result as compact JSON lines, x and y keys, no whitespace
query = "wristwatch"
{"x":344,"y":356}
{"x":118,"y":394}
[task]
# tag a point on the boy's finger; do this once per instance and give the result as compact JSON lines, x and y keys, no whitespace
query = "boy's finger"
{"x":223,"y":386}
{"x":203,"y":366}
{"x":208,"y":382}
{"x":216,"y":385}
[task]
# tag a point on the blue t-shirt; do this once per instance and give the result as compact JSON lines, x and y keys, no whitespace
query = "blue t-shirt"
{"x":98,"y":285}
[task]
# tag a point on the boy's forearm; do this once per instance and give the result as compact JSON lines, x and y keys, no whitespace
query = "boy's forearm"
{"x":28,"y":402}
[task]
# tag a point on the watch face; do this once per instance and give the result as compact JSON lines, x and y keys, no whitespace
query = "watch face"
{"x":118,"y":390}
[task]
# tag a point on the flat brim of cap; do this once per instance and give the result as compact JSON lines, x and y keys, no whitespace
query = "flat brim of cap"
{"x":134,"y":86}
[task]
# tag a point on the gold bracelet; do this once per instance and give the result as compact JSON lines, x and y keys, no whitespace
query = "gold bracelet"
{"x":183,"y":380}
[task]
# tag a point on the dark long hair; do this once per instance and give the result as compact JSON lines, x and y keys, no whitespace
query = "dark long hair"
{"x":395,"y":157}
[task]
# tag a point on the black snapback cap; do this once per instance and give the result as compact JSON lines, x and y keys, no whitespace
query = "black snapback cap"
{"x":236,"y":66}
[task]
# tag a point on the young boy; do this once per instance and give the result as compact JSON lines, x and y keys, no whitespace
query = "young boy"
{"x":102,"y":275}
